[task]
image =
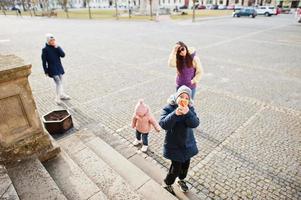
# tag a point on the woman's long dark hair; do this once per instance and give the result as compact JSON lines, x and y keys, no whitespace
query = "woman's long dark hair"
{"x":183,"y":61}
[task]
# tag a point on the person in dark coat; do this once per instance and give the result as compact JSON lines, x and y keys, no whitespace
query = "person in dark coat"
{"x":51,"y":58}
{"x":179,"y":119}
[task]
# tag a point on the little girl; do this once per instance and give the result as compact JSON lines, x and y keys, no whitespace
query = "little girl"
{"x":142,"y":121}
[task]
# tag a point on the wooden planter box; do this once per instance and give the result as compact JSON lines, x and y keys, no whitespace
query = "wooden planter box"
{"x":58,"y":121}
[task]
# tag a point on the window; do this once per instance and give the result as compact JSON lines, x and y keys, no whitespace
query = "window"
{"x":236,"y":1}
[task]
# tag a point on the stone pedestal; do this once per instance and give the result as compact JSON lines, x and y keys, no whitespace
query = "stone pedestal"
{"x":21,"y":132}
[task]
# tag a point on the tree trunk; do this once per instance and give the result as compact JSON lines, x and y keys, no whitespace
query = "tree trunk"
{"x":2,"y":8}
{"x":23,"y":5}
{"x":193,"y":12}
{"x":89,"y":8}
{"x":29,"y":7}
{"x":66,"y":11}
{"x":151,"y":9}
{"x":66,"y":8}
{"x":116,"y":10}
{"x":130,"y":10}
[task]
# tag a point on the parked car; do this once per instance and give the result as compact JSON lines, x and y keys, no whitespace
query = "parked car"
{"x":230,"y":7}
{"x":238,"y":7}
{"x":285,"y":10}
{"x":183,"y":7}
{"x":15,"y":8}
{"x":266,"y":10}
{"x":201,"y":6}
{"x":222,"y":7}
{"x":249,"y":12}
{"x":196,"y":6}
{"x":212,"y":7}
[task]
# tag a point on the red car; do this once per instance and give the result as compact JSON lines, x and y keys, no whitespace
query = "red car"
{"x":201,"y":7}
{"x":278,"y":11}
{"x":230,"y":7}
{"x":298,"y":15}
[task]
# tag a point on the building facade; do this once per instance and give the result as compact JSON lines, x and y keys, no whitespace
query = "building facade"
{"x":144,"y":5}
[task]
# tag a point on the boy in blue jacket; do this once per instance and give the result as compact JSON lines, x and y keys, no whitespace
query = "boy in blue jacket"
{"x":179,"y":119}
{"x":51,"y":59}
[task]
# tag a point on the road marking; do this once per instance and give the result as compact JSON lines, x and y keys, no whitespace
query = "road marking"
{"x":208,"y":74}
{"x":240,"y":37}
{"x":225,"y":80}
{"x":2,"y":41}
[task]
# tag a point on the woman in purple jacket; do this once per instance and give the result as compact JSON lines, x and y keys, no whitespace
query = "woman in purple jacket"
{"x":189,"y":70}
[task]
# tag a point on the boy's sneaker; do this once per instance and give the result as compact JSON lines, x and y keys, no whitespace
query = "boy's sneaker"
{"x":144,"y":148}
{"x":65,"y":97}
{"x":183,"y":186}
{"x":58,"y":101}
{"x":169,"y":188}
{"x":136,"y":142}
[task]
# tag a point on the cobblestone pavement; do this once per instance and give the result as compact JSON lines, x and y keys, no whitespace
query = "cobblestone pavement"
{"x":249,"y":100}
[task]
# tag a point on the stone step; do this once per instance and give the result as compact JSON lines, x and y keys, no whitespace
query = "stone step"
{"x":70,"y":178}
{"x":139,"y":180}
{"x":158,"y":174}
{"x":7,"y":190}
{"x":112,"y":185}
{"x":146,"y":164}
{"x":33,"y":182}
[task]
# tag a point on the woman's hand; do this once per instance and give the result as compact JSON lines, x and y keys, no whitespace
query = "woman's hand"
{"x":176,"y":47}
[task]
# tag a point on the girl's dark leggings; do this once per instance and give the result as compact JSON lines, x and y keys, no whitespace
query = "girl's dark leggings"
{"x":177,"y":169}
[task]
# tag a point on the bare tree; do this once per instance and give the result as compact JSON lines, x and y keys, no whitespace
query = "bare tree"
{"x":193,"y":12}
{"x":116,"y":9}
{"x":130,"y":8}
{"x":65,"y":7}
{"x":34,"y":3}
{"x":29,"y":6}
{"x":23,"y":5}
{"x":89,"y":9}
{"x":2,"y":6}
{"x":87,"y":3}
{"x":151,"y":8}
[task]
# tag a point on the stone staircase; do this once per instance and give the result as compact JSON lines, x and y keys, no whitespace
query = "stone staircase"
{"x":86,"y":169}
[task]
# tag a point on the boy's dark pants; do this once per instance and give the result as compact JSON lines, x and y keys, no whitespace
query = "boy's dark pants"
{"x":177,"y":169}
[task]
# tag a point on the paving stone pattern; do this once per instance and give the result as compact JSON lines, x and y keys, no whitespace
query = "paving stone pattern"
{"x":248,"y":100}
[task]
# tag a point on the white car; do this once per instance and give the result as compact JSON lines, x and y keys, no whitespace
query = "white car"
{"x":266,"y":10}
